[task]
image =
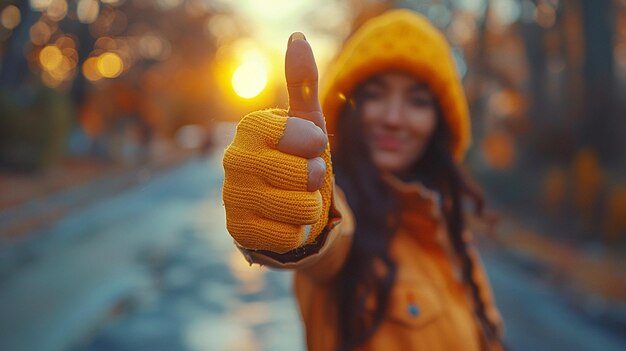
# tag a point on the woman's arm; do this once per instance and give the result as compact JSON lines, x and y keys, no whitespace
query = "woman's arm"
{"x":278,"y":183}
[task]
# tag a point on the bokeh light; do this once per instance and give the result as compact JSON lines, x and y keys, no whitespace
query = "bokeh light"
{"x":10,"y":17}
{"x":57,"y":10}
{"x":110,"y":65}
{"x":506,"y":12}
{"x":499,"y":150}
{"x":90,"y":69}
{"x":40,"y":33}
{"x":87,"y":10}
{"x":50,"y":57}
{"x":250,"y":78}
{"x":152,"y":46}
{"x":222,"y":27}
{"x":40,"y":5}
{"x":545,"y":15}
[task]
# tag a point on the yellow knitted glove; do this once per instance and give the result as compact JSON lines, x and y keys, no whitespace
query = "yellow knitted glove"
{"x":265,"y":192}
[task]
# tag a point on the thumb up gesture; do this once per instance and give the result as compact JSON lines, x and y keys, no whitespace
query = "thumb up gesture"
{"x":277,"y":171}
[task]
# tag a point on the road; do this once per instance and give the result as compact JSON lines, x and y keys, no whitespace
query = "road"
{"x":153,"y":268}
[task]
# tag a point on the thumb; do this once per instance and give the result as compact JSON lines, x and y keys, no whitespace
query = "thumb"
{"x":301,"y":76}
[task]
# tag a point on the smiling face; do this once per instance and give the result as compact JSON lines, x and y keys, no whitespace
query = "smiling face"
{"x":399,"y":117}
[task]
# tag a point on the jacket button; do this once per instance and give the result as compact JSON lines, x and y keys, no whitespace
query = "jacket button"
{"x":414,"y":311}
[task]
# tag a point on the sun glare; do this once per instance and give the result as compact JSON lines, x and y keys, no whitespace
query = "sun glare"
{"x":250,"y":78}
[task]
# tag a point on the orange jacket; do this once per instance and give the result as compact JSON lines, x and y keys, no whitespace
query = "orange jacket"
{"x":430,"y":307}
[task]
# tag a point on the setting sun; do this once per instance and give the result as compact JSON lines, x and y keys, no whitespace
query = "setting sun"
{"x":250,"y":78}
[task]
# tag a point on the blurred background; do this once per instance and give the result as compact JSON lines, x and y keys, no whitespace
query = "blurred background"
{"x":114,"y":115}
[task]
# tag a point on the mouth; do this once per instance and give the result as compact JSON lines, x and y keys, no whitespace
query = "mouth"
{"x":388,"y":143}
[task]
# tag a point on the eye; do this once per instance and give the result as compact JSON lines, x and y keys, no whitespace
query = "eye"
{"x":371,"y":92}
{"x":421,"y":100}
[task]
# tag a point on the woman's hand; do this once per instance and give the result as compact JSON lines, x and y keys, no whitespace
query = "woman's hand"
{"x":278,"y":184}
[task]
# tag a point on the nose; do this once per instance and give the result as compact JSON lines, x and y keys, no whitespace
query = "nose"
{"x":393,"y":114}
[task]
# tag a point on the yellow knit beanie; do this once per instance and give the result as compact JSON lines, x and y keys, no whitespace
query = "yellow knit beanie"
{"x":399,"y":40}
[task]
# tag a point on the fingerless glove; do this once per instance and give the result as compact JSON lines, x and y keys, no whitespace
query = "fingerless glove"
{"x":265,"y":192}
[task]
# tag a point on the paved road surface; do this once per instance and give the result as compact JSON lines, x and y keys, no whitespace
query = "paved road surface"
{"x":154,"y":269}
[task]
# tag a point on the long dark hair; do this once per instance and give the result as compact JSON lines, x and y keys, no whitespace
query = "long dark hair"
{"x":369,"y":271}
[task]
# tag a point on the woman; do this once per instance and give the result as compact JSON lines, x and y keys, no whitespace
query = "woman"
{"x":382,"y":261}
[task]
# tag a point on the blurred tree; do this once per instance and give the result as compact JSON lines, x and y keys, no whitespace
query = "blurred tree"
{"x":34,"y":122}
{"x":14,"y":68}
{"x":588,"y":183}
{"x":152,"y":58}
{"x":615,"y":217}
{"x":600,"y":122}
